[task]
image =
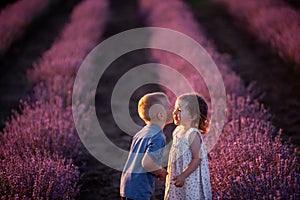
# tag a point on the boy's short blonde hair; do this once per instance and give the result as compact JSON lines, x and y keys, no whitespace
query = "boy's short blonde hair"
{"x":147,"y":101}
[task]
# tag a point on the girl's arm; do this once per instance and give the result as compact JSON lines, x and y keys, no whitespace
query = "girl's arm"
{"x":195,"y":162}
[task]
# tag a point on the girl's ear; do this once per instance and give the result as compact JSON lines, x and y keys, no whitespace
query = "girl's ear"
{"x":194,"y":117}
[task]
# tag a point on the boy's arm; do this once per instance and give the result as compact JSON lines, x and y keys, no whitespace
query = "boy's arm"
{"x":149,"y":165}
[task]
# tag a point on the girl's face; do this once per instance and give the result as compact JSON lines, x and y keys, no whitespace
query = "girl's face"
{"x":181,"y":114}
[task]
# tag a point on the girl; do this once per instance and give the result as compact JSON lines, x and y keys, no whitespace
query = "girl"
{"x":188,"y":170}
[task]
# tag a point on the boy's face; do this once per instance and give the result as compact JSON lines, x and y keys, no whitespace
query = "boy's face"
{"x":169,"y":109}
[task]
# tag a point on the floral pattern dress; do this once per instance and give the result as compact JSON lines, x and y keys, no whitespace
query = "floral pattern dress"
{"x":197,"y":185}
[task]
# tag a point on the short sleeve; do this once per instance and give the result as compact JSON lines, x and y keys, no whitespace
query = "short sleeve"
{"x":155,"y":148}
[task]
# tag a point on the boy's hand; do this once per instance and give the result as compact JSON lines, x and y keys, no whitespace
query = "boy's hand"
{"x":161,"y":174}
{"x":179,"y":180}
{"x":152,"y":167}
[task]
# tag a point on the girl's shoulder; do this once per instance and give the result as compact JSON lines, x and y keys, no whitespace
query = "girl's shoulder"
{"x":192,"y":133}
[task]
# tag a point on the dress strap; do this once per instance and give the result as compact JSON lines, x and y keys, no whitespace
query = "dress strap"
{"x":190,"y":130}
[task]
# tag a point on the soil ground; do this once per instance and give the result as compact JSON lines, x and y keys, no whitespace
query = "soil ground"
{"x":5,"y":3}
{"x":273,"y":81}
{"x":100,"y":181}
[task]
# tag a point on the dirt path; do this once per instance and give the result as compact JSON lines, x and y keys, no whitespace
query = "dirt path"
{"x":100,"y":181}
{"x":4,"y":3}
{"x":293,"y":3}
{"x":273,"y":81}
{"x":24,"y":52}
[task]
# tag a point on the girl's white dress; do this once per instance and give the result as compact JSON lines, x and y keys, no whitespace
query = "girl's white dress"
{"x":197,"y":185}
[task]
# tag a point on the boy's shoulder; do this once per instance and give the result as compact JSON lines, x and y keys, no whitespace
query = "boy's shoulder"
{"x":150,"y":131}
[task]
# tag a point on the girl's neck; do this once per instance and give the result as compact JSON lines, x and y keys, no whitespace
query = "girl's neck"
{"x":184,"y":129}
{"x":187,"y":126}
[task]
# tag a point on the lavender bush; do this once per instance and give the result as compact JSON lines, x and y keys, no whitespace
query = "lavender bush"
{"x":249,"y":160}
{"x":36,"y":175}
{"x":271,"y":21}
{"x":16,"y":17}
{"x":37,"y":141}
{"x":47,"y":127}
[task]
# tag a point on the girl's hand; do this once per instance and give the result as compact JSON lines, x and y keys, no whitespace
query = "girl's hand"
{"x":179,"y":180}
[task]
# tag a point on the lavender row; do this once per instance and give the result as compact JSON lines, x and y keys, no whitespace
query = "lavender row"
{"x":16,"y":17}
{"x":40,"y":143}
{"x":56,"y":70}
{"x":33,"y":149}
{"x":178,"y":17}
{"x":272,"y":22}
{"x":249,"y":160}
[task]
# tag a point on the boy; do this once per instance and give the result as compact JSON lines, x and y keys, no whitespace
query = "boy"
{"x":143,"y":163}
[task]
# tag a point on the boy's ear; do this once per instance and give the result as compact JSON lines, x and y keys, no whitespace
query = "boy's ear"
{"x":160,"y":115}
{"x":155,"y":112}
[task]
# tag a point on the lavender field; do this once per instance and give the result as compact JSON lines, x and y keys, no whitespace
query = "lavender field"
{"x":254,"y":44}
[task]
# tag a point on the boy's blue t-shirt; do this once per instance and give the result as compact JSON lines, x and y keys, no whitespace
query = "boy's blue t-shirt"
{"x":136,"y":182}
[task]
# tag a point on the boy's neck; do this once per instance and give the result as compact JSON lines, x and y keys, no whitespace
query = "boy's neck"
{"x":158,"y":123}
